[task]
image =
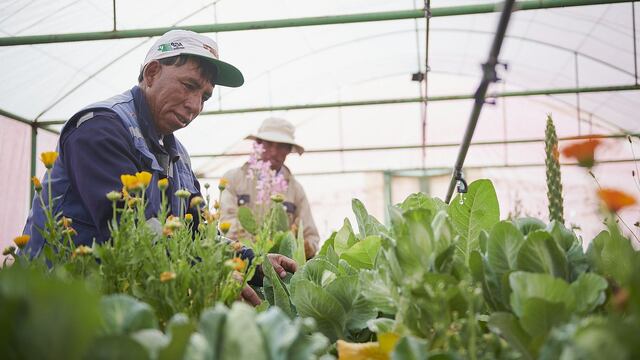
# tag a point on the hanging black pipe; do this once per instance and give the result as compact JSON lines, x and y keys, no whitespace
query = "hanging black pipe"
{"x":489,"y":76}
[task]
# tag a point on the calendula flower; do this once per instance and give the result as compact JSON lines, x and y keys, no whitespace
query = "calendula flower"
{"x":48,"y":158}
{"x":196,"y":201}
{"x":167,"y":276}
{"x":130,"y":182}
{"x":225,"y":226}
{"x":615,"y":200}
{"x":583,"y":152}
{"x":277,"y":198}
{"x":236,"y":246}
{"x":36,"y":184}
{"x":82,"y":250}
{"x":183,"y":194}
{"x":188,"y":217}
{"x":216,"y":205}
{"x":223,"y":184}
{"x":163,"y":184}
{"x":21,"y":241}
{"x":114,"y":196}
{"x":236,"y":264}
{"x":144,"y":178}
{"x":9,"y":250}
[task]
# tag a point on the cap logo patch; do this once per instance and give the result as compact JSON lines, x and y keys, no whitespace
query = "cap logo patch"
{"x":174,"y":45}
{"x":211,"y":50}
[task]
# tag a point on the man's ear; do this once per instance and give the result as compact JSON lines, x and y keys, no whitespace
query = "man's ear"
{"x":151,"y":72}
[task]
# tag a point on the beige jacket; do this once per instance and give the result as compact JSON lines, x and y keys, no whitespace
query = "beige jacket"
{"x":241,"y":191}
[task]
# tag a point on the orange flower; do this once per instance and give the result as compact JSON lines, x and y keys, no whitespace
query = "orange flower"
{"x":583,"y":151}
{"x":48,"y":158}
{"x":236,"y":264}
{"x":354,"y":351}
{"x":36,"y":184}
{"x":130,"y":182}
{"x":223,"y":184}
{"x":167,"y":276}
{"x":615,"y":200}
{"x":144,"y":178}
{"x":21,"y":241}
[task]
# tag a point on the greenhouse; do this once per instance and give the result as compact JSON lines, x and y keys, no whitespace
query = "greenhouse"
{"x":461,"y":179}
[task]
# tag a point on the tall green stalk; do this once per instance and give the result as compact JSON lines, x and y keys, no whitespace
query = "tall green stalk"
{"x":554,"y":180}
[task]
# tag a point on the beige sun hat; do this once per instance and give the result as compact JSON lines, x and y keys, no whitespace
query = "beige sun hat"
{"x":277,"y":130}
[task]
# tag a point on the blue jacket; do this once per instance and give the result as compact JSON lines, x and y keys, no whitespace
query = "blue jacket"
{"x":97,"y":145}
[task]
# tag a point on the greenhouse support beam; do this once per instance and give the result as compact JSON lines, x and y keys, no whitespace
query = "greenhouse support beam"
{"x":413,"y":147}
{"x":560,"y":91}
{"x":25,"y":121}
{"x":296,"y":22}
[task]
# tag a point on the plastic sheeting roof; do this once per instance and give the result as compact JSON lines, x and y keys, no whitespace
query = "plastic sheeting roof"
{"x":342,"y":63}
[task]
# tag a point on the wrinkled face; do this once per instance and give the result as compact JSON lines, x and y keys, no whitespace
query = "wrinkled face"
{"x":275,"y":152}
{"x":175,"y":94}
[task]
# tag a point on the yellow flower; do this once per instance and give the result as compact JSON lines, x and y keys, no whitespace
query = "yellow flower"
{"x":21,"y":241}
{"x":196,"y":201}
{"x":48,"y":158}
{"x":236,"y":264}
{"x":216,"y":205}
{"x":615,"y":200}
{"x":163,"y":184}
{"x":130,"y":182}
{"x":114,"y":196}
{"x":144,"y":178}
{"x":167,"y":276}
{"x":82,"y":250}
{"x":353,"y":351}
{"x":583,"y":152}
{"x":188,"y":217}
{"x":36,"y":184}
{"x":183,"y":194}
{"x":223,"y":184}
{"x":225,"y":226}
{"x":388,"y":341}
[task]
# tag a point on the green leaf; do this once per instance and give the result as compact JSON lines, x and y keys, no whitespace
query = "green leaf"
{"x":198,"y":348}
{"x":415,"y":248}
{"x":410,"y":348}
{"x":529,"y":224}
{"x":280,"y":218}
{"x":379,"y":293}
{"x":279,"y":334}
{"x":242,"y":338}
{"x":367,"y":224}
{"x":314,"y":270}
{"x":478,"y":211}
{"x":527,"y":286}
{"x":211,"y":326}
{"x":123,"y":314}
{"x":117,"y":347}
{"x":589,"y":292}
{"x":381,"y":325}
{"x":344,"y":238}
{"x":479,"y":272}
{"x":507,"y":325}
{"x":312,"y":301}
{"x":502,"y":247}
{"x":357,"y":309}
{"x":280,"y":293}
{"x":540,"y":316}
{"x":564,"y":237}
{"x":179,"y":330}
{"x":363,"y":254}
{"x":540,"y":253}
{"x":327,"y":244}
{"x":247,"y":220}
{"x":422,"y":201}
{"x":153,"y":341}
{"x":298,"y":255}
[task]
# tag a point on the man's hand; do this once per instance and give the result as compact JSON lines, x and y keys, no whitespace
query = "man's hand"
{"x":249,"y":295}
{"x":282,"y":264}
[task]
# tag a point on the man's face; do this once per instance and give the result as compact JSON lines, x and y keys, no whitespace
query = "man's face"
{"x":175,"y":94}
{"x":275,"y":152}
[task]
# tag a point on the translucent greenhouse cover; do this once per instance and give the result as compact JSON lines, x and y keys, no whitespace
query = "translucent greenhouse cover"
{"x":559,"y":48}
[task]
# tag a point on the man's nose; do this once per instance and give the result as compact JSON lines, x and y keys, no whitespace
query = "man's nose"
{"x":193,"y":106}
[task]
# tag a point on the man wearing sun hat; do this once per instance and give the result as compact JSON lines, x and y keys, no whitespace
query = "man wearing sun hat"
{"x":276,"y":140}
{"x":133,"y":132}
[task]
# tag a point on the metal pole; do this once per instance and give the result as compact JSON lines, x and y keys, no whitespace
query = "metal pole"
{"x":114,"y":15}
{"x":411,"y":147}
{"x":489,"y":70}
{"x":427,"y":11}
{"x":635,"y":53}
{"x":34,"y":150}
{"x":23,"y":120}
{"x":296,"y":22}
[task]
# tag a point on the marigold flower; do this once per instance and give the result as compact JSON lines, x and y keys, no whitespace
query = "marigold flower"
{"x":9,"y":250}
{"x":188,"y":217}
{"x":583,"y":152}
{"x":144,"y":178}
{"x":216,"y":205}
{"x":615,"y":200}
{"x":48,"y":158}
{"x":36,"y":184}
{"x":130,"y":182}
{"x":114,"y":196}
{"x":183,"y":194}
{"x":167,"y":276}
{"x":223,"y":184}
{"x":163,"y":184}
{"x":236,"y":264}
{"x":82,"y":250}
{"x":225,"y":226}
{"x":196,"y":201}
{"x":21,"y":241}
{"x":277,"y":198}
